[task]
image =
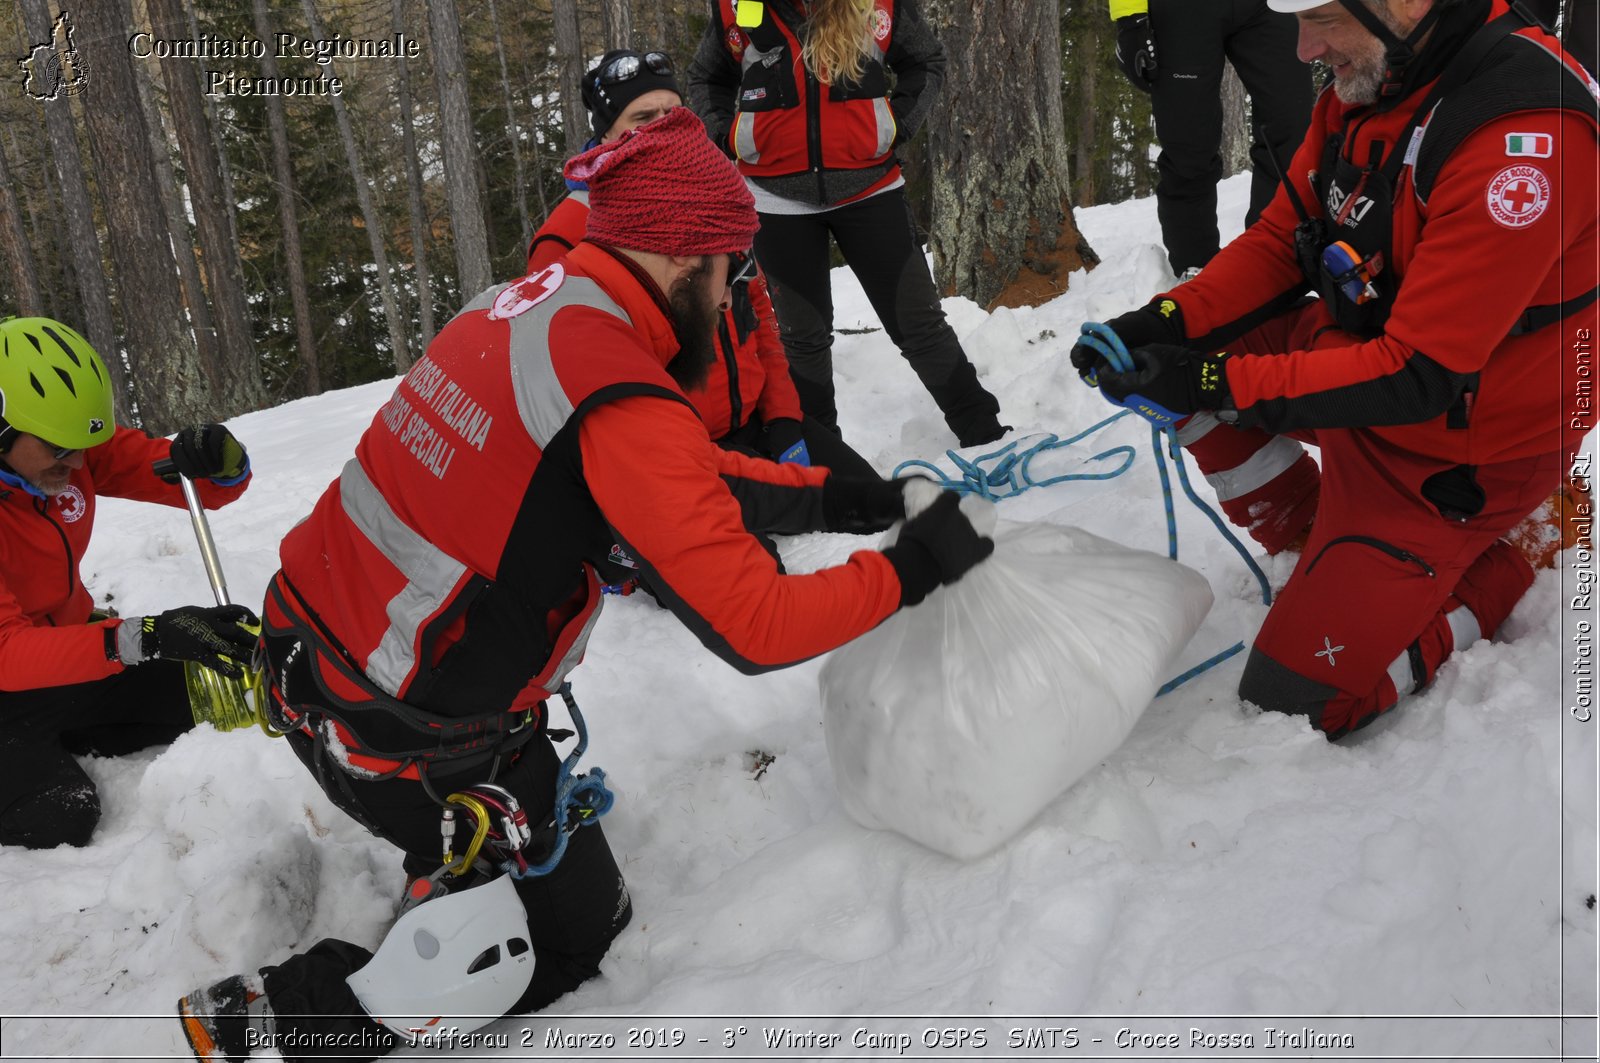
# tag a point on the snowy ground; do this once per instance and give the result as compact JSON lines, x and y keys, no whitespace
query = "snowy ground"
{"x":1223,"y":870}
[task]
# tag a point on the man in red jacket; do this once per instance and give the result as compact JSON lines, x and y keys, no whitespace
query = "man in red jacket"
{"x":748,"y":401}
{"x":1444,"y":207}
{"x":420,"y":622}
{"x":67,"y":678}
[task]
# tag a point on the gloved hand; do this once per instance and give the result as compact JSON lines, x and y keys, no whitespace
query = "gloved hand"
{"x":1136,"y":50}
{"x":860,"y":505}
{"x":1169,"y":382}
{"x":209,"y":452}
{"x":786,"y":442}
{"x":936,"y":547}
{"x":213,"y":635}
{"x":1158,"y":321}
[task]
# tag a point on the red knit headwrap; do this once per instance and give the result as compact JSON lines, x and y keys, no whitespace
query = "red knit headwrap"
{"x":664,"y":187}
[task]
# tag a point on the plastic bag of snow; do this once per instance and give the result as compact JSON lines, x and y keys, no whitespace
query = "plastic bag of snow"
{"x":956,"y":721}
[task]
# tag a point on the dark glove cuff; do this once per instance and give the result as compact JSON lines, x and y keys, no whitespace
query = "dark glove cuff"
{"x":917,"y":568}
{"x":1166,"y":316}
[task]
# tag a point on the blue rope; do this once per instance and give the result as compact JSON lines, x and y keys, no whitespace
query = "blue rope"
{"x":586,"y":792}
{"x":1010,"y":476}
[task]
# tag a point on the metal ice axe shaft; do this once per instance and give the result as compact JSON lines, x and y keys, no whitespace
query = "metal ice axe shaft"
{"x":202,"y":530}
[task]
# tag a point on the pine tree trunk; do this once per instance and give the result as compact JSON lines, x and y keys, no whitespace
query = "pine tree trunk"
{"x":214,"y":125}
{"x":94,"y":297}
{"x":164,"y":363}
{"x":460,"y":149}
{"x":419,"y":220}
{"x":1003,"y":232}
{"x":288,"y":212}
{"x":193,"y":290}
{"x":1087,"y":47}
{"x":512,"y":130}
{"x":15,"y":247}
{"x":1235,"y":148}
{"x":239,"y":387}
{"x":369,"y":214}
{"x":618,"y":24}
{"x":569,"y":57}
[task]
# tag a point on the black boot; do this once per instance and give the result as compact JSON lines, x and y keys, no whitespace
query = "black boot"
{"x":970,"y":411}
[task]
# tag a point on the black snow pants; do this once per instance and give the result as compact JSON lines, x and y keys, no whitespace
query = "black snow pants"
{"x":1193,"y":37}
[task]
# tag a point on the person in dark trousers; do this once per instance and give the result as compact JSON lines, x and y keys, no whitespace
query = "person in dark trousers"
{"x":748,"y":401}
{"x":72,"y":681}
{"x":443,"y":588}
{"x":798,"y":94}
{"x":1174,"y":50}
{"x":1580,"y":31}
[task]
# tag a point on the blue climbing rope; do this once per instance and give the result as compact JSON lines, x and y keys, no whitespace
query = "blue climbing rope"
{"x":1010,"y":475}
{"x":580,"y":800}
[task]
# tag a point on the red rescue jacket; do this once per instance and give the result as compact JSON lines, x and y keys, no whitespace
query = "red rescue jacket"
{"x":1508,"y":223}
{"x":45,"y":635}
{"x":751,"y":377}
{"x":537,"y":450}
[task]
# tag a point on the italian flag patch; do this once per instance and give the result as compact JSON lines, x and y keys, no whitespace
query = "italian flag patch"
{"x":1531,"y":145}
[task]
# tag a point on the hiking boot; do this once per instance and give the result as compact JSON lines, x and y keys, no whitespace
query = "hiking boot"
{"x":225,"y":1021}
{"x":1557,"y":524}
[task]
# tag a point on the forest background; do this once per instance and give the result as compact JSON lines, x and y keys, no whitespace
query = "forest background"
{"x":237,"y":250}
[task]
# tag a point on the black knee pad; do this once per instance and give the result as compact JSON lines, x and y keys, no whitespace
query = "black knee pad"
{"x":1273,"y":688}
{"x":64,"y":814}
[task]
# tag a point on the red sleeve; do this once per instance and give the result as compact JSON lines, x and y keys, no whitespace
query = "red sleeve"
{"x":559,"y":234}
{"x":32,"y":656}
{"x":122,"y":468}
{"x":658,"y":480}
{"x":778,"y":397}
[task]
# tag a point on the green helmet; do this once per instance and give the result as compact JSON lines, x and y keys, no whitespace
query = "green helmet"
{"x":53,"y":385}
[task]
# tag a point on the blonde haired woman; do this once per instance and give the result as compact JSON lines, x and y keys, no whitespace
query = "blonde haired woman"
{"x":798,"y":94}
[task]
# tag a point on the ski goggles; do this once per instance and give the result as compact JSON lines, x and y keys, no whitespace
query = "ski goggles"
{"x":741,"y":267}
{"x":627,"y":67}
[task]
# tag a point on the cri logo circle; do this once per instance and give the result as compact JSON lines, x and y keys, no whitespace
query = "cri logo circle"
{"x":1518,"y":196}
{"x":72,"y":504}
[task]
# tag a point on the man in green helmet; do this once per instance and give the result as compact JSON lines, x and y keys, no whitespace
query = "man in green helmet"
{"x":67,"y":681}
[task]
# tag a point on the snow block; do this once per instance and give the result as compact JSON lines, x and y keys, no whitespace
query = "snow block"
{"x":956,"y":721}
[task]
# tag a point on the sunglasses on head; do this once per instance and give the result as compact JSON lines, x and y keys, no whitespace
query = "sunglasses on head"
{"x":741,"y":267}
{"x":626,"y":67}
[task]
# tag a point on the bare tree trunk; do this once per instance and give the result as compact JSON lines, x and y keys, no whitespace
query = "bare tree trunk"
{"x":1003,"y":232}
{"x":460,"y":149}
{"x":15,"y":249}
{"x":214,"y":124}
{"x":1235,"y":148}
{"x":512,"y":130}
{"x":569,"y":53}
{"x":618,"y":23}
{"x":1088,"y":91}
{"x":659,"y":29}
{"x":288,"y":212}
{"x":369,"y":214}
{"x":419,"y":220}
{"x":165,"y":365}
{"x":94,"y":297}
{"x":194,"y":294}
{"x":239,"y":387}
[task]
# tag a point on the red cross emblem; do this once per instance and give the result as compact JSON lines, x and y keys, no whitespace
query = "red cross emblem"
{"x":1518,"y":196}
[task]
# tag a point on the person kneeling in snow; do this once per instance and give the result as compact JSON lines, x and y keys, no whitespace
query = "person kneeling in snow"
{"x":444,"y":586}
{"x":67,"y":678}
{"x":1455,"y":270}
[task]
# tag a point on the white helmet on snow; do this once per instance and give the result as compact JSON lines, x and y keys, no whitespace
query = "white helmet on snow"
{"x":461,"y":960}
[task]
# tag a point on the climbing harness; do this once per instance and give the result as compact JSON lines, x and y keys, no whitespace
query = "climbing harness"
{"x":1005,"y":473}
{"x":498,"y":823}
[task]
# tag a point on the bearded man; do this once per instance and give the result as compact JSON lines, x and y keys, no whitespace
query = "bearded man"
{"x":444,"y":586}
{"x":1443,"y":206}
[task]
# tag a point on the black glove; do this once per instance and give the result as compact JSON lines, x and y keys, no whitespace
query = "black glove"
{"x":1158,"y":321}
{"x":936,"y":547}
{"x":786,"y":442}
{"x":1169,"y":382}
{"x":1136,"y":51}
{"x":209,"y":452}
{"x":213,"y":635}
{"x":860,"y":505}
